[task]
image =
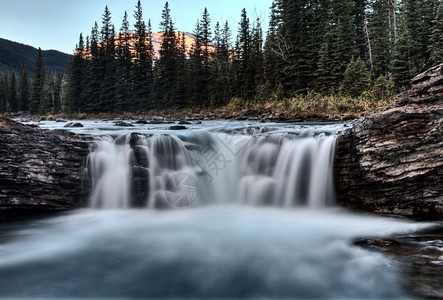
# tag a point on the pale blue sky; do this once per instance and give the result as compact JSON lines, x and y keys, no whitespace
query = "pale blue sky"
{"x":56,"y":24}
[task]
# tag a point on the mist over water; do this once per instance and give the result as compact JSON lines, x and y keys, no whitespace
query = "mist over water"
{"x":216,"y":252}
{"x":231,"y":212}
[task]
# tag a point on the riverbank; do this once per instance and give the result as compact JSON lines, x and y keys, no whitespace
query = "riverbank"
{"x":312,"y":108}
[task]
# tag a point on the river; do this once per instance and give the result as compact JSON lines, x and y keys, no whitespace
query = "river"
{"x":259,"y":221}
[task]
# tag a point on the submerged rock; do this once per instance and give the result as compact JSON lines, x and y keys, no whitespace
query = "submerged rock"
{"x":178,"y":127}
{"x":420,"y":256}
{"x":123,"y":124}
{"x":141,"y":122}
{"x":73,"y":125}
{"x":391,"y":161}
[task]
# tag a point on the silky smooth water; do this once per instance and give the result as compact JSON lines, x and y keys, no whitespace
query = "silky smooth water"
{"x":249,"y":214}
{"x":207,"y":252}
{"x":280,"y":166}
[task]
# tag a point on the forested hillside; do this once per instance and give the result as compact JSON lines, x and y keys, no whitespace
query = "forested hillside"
{"x":15,"y":56}
{"x":335,"y":53}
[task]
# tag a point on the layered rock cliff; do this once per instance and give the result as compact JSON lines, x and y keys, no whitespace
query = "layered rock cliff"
{"x":391,"y":161}
{"x":40,"y":169}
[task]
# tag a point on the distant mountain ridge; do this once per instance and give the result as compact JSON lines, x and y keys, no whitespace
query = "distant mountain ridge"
{"x":14,"y":56}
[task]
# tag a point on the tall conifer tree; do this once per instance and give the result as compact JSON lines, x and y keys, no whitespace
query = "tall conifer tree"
{"x":93,"y":74}
{"x":198,"y":87}
{"x":243,"y":48}
{"x":273,"y":60}
{"x":142,"y":71}
{"x":4,"y":93}
{"x":124,"y":66}
{"x":381,"y":36}
{"x":166,"y":67}
{"x":38,"y":83}
{"x":75,"y":101}
{"x":436,"y":38}
{"x":14,"y":103}
{"x":24,"y":90}
{"x":108,"y":93}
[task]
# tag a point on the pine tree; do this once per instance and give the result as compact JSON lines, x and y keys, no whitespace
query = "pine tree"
{"x":221,"y":68}
{"x":344,"y":46}
{"x":14,"y":104}
{"x":24,"y":90}
{"x":166,"y":67}
{"x":337,"y":48}
{"x":215,"y":90}
{"x":196,"y":70}
{"x":245,"y":88}
{"x":108,"y":94}
{"x":360,"y":20}
{"x":417,"y":18}
{"x":38,"y":83}
{"x":325,"y":79}
{"x":273,"y":63}
{"x":181,"y":87}
{"x":383,"y":87}
{"x":436,"y":38}
{"x":291,"y":43}
{"x":3,"y":94}
{"x":124,"y":66}
{"x":257,"y":54}
{"x":401,"y":64}
{"x":75,"y":101}
{"x":206,"y":40}
{"x":356,"y":78}
{"x":381,"y":36}
{"x":93,"y":74}
{"x":107,"y":34}
{"x":206,"y":36}
{"x":143,"y":68}
{"x":429,"y":13}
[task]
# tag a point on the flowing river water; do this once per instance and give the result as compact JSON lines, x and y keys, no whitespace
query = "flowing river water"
{"x":222,"y":210}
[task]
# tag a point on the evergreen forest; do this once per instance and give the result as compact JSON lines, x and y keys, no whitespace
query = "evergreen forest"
{"x":351,"y":50}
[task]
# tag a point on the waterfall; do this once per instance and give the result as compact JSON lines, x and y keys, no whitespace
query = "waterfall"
{"x":110,"y":173}
{"x":253,"y":167}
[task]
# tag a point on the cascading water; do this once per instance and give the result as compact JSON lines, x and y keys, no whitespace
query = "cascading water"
{"x":250,"y":251}
{"x":110,"y":173}
{"x":283,"y":169}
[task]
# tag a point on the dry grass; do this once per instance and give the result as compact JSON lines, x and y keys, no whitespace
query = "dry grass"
{"x":305,"y":107}
{"x":312,"y":106}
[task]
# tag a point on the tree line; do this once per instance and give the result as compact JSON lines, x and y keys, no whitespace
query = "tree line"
{"x":329,"y":47}
{"x":121,"y":71}
{"x":43,"y":94}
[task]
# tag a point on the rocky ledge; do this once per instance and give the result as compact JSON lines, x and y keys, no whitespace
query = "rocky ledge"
{"x":391,"y":161}
{"x":40,"y":170}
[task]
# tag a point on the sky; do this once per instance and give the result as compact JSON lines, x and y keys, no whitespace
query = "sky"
{"x":57,"y":24}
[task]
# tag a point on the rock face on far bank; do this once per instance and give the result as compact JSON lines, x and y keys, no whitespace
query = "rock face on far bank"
{"x":391,"y":161}
{"x":40,"y":170}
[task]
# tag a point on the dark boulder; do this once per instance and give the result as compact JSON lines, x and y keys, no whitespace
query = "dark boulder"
{"x":73,"y":125}
{"x":177,"y":127}
{"x":123,"y":124}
